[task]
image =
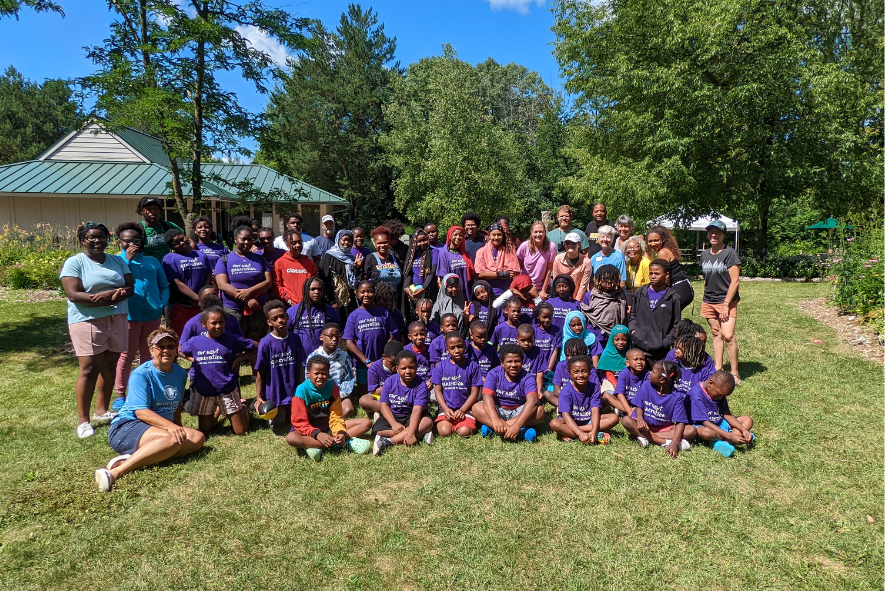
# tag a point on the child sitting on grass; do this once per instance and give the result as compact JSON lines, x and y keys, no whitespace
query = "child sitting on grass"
{"x":714,"y":422}
{"x":510,"y":399}
{"x":404,"y":401}
{"x":629,"y":381}
{"x":572,"y":348}
{"x":317,"y":421}
{"x":696,"y":366}
{"x":378,"y":373}
{"x":534,"y":362}
{"x":438,"y":353}
{"x":480,"y":351}
{"x":417,"y":335}
{"x":457,"y":384}
{"x":660,"y":412}
{"x":580,"y":406}
{"x":278,"y":364}
{"x":213,"y":356}
{"x":341,"y":368}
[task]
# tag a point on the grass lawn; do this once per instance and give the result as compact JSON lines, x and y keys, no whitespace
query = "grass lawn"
{"x":250,"y":513}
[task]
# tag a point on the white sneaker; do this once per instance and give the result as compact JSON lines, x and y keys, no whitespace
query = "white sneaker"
{"x":429,"y":437}
{"x":104,"y":419}
{"x":380,"y":445}
{"x":684,"y":445}
{"x":103,"y":480}
{"x":314,"y":453}
{"x":85,"y":431}
{"x":644,"y":443}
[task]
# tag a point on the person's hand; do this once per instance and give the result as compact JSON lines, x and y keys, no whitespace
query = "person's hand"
{"x":458,"y":416}
{"x":341,"y":438}
{"x":740,"y":437}
{"x":674,"y":448}
{"x":417,"y":293}
{"x":241,"y":294}
{"x":543,"y":294}
{"x":585,"y":437}
{"x":467,"y":312}
{"x":499,"y":426}
{"x":131,"y":251}
{"x":410,"y":439}
{"x":368,"y":363}
{"x":102,"y":297}
{"x":178,"y":432}
{"x":641,"y":425}
{"x":512,"y":274}
{"x":326,"y":440}
{"x":119,"y":295}
{"x":253,"y":305}
{"x":358,"y":260}
{"x":512,"y":431}
{"x":397,"y":427}
{"x":258,"y":402}
{"x":724,"y":316}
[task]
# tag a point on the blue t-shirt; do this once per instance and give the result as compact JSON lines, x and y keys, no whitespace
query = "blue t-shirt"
{"x":96,"y":278}
{"x":615,"y":258}
{"x":150,"y":288}
{"x":155,"y":390}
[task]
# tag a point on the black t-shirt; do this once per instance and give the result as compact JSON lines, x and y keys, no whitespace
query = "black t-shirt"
{"x":591,"y":231}
{"x":715,"y":268}
{"x":401,"y":249}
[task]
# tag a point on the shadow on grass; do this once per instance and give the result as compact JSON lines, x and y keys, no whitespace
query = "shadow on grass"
{"x":43,"y":332}
{"x":751,"y":368}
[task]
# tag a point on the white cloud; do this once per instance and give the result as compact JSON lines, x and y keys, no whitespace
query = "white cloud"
{"x":265,"y":44}
{"x":521,"y":6}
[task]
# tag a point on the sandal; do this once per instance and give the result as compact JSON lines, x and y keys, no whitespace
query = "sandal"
{"x":738,"y":380}
{"x":114,"y":461}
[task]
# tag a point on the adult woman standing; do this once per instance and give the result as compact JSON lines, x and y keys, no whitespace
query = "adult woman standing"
{"x":456,"y":260}
{"x":664,"y":246}
{"x":244,"y":278}
{"x":97,"y":287}
{"x":382,"y":265}
{"x":536,"y":257}
{"x":154,"y":226}
{"x":204,"y":239}
{"x":573,"y":263}
{"x":720,"y":266}
{"x":608,"y":255}
{"x":150,"y":295}
{"x":625,"y":227}
{"x":148,"y":429}
{"x":419,"y":271}
{"x":636,"y":264}
{"x":497,"y":262}
{"x":339,"y":270}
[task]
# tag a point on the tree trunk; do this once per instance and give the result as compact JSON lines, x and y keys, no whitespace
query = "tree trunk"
{"x":197,"y":149}
{"x":761,"y":235}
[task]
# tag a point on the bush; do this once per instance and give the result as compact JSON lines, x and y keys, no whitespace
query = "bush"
{"x":858,"y":277}
{"x":30,"y":260}
{"x":801,"y":266}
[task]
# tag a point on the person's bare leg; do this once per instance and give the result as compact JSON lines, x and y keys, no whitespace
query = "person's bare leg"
{"x":608,"y":421}
{"x":717,"y":336}
{"x":727,"y":332}
{"x":549,"y":397}
{"x":746,"y":422}
{"x":479,"y":412}
{"x":347,"y":407}
{"x":157,"y":445}
{"x":560,"y":427}
{"x":444,"y":428}
{"x":124,"y":362}
{"x":296,"y":439}
{"x":240,"y":421}
{"x":369,"y":404}
{"x":465,"y":431}
{"x":358,"y":427}
{"x":104,"y":385}
{"x":206,"y":423}
{"x":85,"y":388}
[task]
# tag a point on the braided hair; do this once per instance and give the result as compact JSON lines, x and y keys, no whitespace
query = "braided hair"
{"x":306,"y":305}
{"x":608,"y":273}
{"x":693,"y":351}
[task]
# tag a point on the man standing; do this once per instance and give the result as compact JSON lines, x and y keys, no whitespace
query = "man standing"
{"x":600,"y":220}
{"x":326,"y":239}
{"x":564,"y":227}
{"x":474,"y":237}
{"x":293,"y":221}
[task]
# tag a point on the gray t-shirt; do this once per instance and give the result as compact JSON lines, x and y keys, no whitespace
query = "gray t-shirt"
{"x":715,"y":268}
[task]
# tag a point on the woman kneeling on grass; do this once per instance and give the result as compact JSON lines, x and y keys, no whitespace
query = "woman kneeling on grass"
{"x":148,"y":428}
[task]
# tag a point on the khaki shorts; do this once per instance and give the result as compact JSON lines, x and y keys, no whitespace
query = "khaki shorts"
{"x":92,"y":337}
{"x":714,"y":310}
{"x":205,"y":405}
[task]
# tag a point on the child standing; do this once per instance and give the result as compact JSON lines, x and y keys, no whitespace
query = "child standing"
{"x":423,"y":309}
{"x":563,"y":302}
{"x":505,"y":333}
{"x":312,"y":313}
{"x":580,"y":406}
{"x":385,"y":296}
{"x":714,"y":422}
{"x":215,"y":384}
{"x":438,"y":352}
{"x":317,"y":423}
{"x":376,"y":376}
{"x":293,"y":269}
{"x":629,"y":381}
{"x":457,"y":384}
{"x":278,"y":364}
{"x":534,"y":362}
{"x":404,"y":400}
{"x":548,"y":337}
{"x":480,"y":351}
{"x":341,"y":368}
{"x":367,"y":330}
{"x":605,"y":305}
{"x":660,"y":412}
{"x":654,"y":313}
{"x":450,"y":300}
{"x":480,"y":307}
{"x":510,"y":399}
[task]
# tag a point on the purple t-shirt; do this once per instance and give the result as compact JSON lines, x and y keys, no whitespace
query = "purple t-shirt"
{"x":660,"y":410}
{"x":243,"y":272}
{"x":508,"y":393}
{"x":424,"y":361}
{"x":456,"y":381}
{"x":403,"y":398}
{"x":561,"y":375}
{"x":417,"y":279}
{"x":702,"y":408}
{"x":480,"y":312}
{"x":485,"y":359}
{"x":193,"y":327}
{"x":548,"y":340}
{"x":377,"y":375}
{"x":691,"y":377}
{"x":362,"y":251}
{"x":453,"y":262}
{"x":534,"y":361}
{"x":281,"y":360}
{"x":437,"y":351}
{"x":214,"y":362}
{"x":192,"y":269}
{"x":213,"y":252}
{"x":370,"y":330}
{"x":309,"y":326}
{"x":628,"y":384}
{"x":655,"y":296}
{"x":504,"y":334}
{"x":433,"y":330}
{"x":579,"y":404}
{"x":561,"y":309}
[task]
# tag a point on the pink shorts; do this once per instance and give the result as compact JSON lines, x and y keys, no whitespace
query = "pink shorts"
{"x":468,"y":422}
{"x":91,"y":337}
{"x":659,"y":428}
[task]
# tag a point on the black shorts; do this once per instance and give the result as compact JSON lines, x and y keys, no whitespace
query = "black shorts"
{"x":383,"y":425}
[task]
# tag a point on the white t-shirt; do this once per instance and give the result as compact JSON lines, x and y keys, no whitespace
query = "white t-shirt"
{"x":308,"y":247}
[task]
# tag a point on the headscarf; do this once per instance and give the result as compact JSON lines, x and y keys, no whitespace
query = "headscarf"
{"x":469,"y":264}
{"x":567,"y":279}
{"x":586,"y":335}
{"x":492,"y":313}
{"x":495,"y":226}
{"x":446,"y":304}
{"x":346,"y":257}
{"x":611,"y":359}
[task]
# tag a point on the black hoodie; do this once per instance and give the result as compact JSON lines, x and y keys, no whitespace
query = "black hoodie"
{"x":653,"y":330}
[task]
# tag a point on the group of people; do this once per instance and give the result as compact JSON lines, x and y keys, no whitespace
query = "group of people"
{"x":477,"y":332}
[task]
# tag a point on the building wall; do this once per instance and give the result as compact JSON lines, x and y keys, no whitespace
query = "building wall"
{"x":92,"y":143}
{"x":26,"y":211}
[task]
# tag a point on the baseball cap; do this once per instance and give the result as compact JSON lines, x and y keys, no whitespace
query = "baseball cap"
{"x":151,"y":201}
{"x":327,"y":218}
{"x":717,"y":225}
{"x":521,"y":282}
{"x":159,"y":337}
{"x":572,"y":237}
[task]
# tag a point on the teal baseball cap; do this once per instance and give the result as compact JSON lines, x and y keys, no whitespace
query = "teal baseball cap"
{"x":716,"y":225}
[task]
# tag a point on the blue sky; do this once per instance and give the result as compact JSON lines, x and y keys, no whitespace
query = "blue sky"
{"x":48,"y":46}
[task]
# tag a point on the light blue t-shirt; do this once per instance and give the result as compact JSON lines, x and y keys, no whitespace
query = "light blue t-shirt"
{"x":150,"y":288}
{"x":96,"y":278}
{"x":152,"y":389}
{"x":616,"y":259}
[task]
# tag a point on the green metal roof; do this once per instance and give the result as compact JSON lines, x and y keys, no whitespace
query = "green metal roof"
{"x":267,"y":179}
{"x":146,"y":145}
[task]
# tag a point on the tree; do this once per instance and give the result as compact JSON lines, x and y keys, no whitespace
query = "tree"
{"x":159,"y":72}
{"x":481,"y":138}
{"x":33,"y":116}
{"x":11,"y":8}
{"x":325,"y":118}
{"x":724,"y":105}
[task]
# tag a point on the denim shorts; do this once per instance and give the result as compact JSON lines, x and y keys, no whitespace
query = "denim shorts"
{"x":125,"y":436}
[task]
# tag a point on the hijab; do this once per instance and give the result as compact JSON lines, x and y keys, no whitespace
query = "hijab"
{"x":492,"y":313}
{"x":346,"y":257}
{"x":585,"y":335}
{"x":469,"y":264}
{"x":612,"y":359}
{"x":446,"y":304}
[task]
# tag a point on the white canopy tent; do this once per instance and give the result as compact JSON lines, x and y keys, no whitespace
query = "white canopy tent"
{"x":699,"y":225}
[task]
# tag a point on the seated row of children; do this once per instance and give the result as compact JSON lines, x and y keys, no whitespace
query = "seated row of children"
{"x":501,"y":383}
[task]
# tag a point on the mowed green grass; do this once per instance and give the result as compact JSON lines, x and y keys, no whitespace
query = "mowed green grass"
{"x":251,"y":513}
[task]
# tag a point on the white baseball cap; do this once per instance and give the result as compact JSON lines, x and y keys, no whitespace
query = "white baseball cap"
{"x":327,"y":218}
{"x":572,"y":237}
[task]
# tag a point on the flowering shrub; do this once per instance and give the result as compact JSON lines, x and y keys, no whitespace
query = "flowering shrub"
{"x":858,"y":277}
{"x":800,"y":266}
{"x":34,"y":259}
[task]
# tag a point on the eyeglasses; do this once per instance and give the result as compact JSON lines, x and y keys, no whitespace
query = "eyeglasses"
{"x":96,"y":239}
{"x":131,"y":241}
